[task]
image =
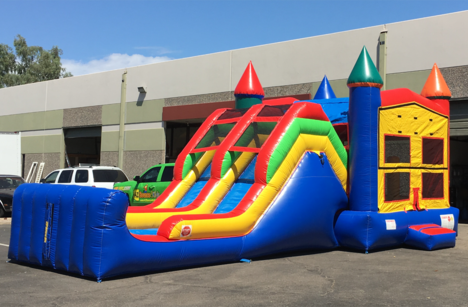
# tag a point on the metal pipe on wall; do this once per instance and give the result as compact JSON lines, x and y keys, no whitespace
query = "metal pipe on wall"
{"x":123,"y":93}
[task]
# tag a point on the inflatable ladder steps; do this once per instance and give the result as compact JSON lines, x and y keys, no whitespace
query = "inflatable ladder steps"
{"x":430,"y":237}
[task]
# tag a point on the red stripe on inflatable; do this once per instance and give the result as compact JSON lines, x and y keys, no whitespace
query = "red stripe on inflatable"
{"x":248,"y":149}
{"x":268,"y":118}
{"x":150,"y":238}
{"x":227,"y":121}
{"x":281,"y":101}
{"x":298,"y":110}
{"x":168,"y":224}
{"x":204,"y":149}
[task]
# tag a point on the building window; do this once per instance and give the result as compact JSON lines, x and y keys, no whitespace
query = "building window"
{"x":433,"y":151}
{"x":397,"y":149}
{"x":177,"y":137}
{"x":432,"y":185}
{"x":397,"y":186}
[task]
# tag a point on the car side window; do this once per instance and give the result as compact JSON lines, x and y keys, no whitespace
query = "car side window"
{"x":81,"y":176}
{"x":151,"y":175}
{"x":168,"y":173}
{"x":109,"y":175}
{"x":51,"y":178}
{"x":65,"y":177}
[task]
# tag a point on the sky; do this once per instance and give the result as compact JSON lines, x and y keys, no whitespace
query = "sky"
{"x":102,"y":35}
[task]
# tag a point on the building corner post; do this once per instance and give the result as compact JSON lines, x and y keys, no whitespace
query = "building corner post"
{"x":123,"y":94}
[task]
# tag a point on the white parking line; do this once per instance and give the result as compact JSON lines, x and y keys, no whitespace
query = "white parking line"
{"x":4,"y":245}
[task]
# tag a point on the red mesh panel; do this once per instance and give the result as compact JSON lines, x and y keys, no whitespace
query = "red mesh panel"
{"x":233,"y":113}
{"x":342,"y":131}
{"x":274,"y":110}
{"x":433,"y":151}
{"x":433,"y":185}
{"x":397,"y":186}
{"x":397,"y":149}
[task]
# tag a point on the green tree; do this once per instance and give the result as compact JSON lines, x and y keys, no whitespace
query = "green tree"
{"x":29,"y":64}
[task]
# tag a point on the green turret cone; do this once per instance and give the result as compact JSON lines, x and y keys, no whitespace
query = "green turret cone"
{"x":364,"y":72}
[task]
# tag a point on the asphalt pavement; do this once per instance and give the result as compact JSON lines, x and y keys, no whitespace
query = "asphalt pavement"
{"x":396,"y":277}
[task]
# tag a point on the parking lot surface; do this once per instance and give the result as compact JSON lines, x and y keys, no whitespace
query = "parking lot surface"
{"x":397,"y":277}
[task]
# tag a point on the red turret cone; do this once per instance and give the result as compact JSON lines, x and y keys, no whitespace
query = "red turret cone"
{"x":249,"y":83}
{"x":436,"y":87}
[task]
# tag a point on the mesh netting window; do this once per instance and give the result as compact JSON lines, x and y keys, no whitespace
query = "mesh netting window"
{"x":256,"y":134}
{"x":397,"y":149}
{"x":274,"y":110}
{"x":215,"y":135}
{"x":397,"y":186}
{"x":342,"y":131}
{"x":432,"y":185}
{"x":433,"y":151}
{"x":233,"y":113}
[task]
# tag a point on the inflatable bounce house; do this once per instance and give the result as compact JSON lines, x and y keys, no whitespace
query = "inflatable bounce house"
{"x":271,"y":176}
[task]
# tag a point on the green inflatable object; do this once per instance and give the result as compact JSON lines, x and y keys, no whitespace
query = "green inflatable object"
{"x":247,"y":102}
{"x":364,"y":72}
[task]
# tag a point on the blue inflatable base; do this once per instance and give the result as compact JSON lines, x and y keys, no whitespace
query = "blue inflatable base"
{"x":367,"y":230}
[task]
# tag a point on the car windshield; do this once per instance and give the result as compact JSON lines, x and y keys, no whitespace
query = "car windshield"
{"x":10,"y":182}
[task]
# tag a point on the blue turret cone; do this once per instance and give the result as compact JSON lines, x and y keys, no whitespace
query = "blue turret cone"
{"x":325,"y":90}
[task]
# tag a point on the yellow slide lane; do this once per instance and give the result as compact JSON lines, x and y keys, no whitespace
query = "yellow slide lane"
{"x":154,"y":219}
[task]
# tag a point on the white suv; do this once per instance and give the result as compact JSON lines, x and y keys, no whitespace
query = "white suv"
{"x":92,"y":176}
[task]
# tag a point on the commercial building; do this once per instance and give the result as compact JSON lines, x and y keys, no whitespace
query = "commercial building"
{"x":140,"y":116}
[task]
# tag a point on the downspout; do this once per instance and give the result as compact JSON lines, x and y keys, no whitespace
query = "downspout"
{"x":382,"y":63}
{"x":123,"y":93}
